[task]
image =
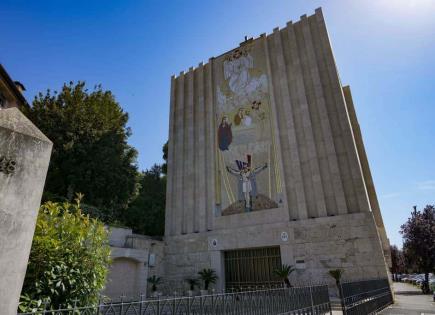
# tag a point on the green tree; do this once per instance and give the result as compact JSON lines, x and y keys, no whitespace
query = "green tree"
{"x":397,"y":261}
{"x":165,"y":157}
{"x":419,"y":241}
{"x":90,"y":153}
{"x":146,"y":214}
{"x":69,"y":258}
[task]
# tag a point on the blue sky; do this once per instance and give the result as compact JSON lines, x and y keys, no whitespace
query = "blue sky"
{"x":385,"y":50}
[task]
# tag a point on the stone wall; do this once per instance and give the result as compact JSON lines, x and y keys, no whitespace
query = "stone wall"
{"x":24,"y":158}
{"x":131,"y":263}
{"x":349,"y":242}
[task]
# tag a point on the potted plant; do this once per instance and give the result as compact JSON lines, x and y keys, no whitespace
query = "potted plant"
{"x":154,"y":281}
{"x":208,"y":276}
{"x":283,"y":273}
{"x":337,"y":274}
{"x":193,"y":282}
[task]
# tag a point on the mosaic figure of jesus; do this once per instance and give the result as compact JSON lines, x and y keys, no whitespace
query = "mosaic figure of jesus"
{"x":247,"y":183}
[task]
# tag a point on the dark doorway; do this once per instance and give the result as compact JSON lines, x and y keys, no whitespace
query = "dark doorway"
{"x":251,"y":268}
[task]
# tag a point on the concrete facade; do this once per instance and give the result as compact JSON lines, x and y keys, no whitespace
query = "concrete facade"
{"x":315,"y":182}
{"x":24,"y":158}
{"x":134,"y":259}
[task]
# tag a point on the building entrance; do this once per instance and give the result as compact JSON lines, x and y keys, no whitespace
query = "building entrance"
{"x":251,"y":268}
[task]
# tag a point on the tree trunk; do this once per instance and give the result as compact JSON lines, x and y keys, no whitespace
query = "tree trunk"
{"x":425,"y":284}
{"x":287,"y":283}
{"x":340,"y":293}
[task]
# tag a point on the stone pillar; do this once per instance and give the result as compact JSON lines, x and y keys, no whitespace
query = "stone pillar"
{"x":24,"y":158}
{"x":217,"y":264}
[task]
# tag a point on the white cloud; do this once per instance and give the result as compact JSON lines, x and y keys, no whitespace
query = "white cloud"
{"x":390,"y":195}
{"x":426,"y":185}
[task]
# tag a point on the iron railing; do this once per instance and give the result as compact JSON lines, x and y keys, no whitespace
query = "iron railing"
{"x":313,"y":300}
{"x":366,"y":296}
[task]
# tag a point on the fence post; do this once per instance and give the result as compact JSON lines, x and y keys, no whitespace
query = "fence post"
{"x":122,"y":304}
{"x":312,"y":301}
{"x":189,"y":301}
{"x":342,"y":299}
{"x":140,"y":305}
{"x":75,"y":306}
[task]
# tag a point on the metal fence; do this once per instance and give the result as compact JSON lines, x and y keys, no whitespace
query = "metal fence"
{"x":366,"y":297}
{"x":312,"y":300}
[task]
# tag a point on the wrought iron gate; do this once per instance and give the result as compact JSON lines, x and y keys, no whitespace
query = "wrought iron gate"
{"x":251,"y":268}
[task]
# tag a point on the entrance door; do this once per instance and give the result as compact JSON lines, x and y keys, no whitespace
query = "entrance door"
{"x":251,"y":267}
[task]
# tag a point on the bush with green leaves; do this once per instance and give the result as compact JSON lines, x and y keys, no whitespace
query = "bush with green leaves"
{"x":68,"y":261}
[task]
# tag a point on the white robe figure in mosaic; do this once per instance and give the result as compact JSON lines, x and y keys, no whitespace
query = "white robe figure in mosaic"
{"x":247,"y":182}
{"x":240,"y":81}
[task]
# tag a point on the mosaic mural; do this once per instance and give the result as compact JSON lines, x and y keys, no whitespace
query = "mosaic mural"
{"x":248,"y":176}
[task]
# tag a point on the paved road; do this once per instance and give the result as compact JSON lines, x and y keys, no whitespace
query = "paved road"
{"x":410,"y":301}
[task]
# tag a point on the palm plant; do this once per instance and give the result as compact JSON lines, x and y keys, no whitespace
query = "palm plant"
{"x":208,"y":276}
{"x":283,"y":273}
{"x":193,"y":282}
{"x":336,"y":274}
{"x":154,"y":281}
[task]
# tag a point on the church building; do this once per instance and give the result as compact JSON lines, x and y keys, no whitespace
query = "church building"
{"x":267,"y":167}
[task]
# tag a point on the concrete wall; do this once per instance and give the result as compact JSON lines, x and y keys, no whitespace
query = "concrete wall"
{"x":349,"y":242}
{"x":130,"y":266}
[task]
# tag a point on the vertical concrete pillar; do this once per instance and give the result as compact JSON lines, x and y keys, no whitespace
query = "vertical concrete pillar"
{"x":300,"y":211}
{"x":189,"y":156}
{"x":178,"y":211}
{"x":312,"y":154}
{"x":169,"y":212}
{"x":333,"y":180}
{"x":300,"y":93}
{"x":200,"y":145}
{"x":213,"y":187}
{"x":24,"y":158}
{"x":274,"y":117}
{"x":217,"y":264}
{"x":336,"y":87}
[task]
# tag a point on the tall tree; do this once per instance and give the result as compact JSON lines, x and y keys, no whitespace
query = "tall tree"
{"x":90,"y":152}
{"x":146,"y":214}
{"x":397,"y":261}
{"x":165,"y":157}
{"x":419,"y":241}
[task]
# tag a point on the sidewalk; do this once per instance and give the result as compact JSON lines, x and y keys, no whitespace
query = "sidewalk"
{"x":410,"y":301}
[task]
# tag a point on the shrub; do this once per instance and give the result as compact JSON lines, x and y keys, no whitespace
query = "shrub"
{"x":208,"y":276}
{"x":283,"y":273}
{"x":154,"y":281}
{"x":68,"y":261}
